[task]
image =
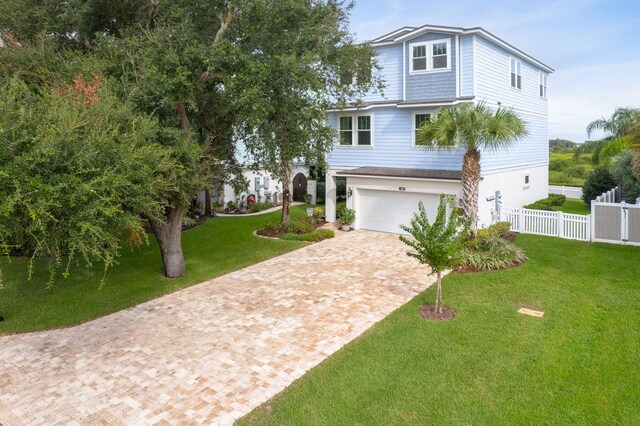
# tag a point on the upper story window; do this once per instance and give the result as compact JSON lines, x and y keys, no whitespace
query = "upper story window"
{"x":430,"y":56}
{"x":346,"y":130}
{"x":419,"y":119}
{"x":543,"y":85}
{"x":364,"y":130}
{"x":516,"y":73}
{"x":360,"y":135}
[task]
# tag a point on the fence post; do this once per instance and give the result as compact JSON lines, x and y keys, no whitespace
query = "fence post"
{"x":588,"y":231}
{"x":521,"y":221}
{"x":593,"y":220}
{"x":560,"y":224}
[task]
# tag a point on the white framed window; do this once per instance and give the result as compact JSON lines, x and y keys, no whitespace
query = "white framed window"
{"x":543,"y":85}
{"x":516,"y":73}
{"x":527,"y":181}
{"x":364,"y":130}
{"x":346,"y":130}
{"x":430,"y":56}
{"x":419,"y":118}
{"x":355,"y":130}
{"x":265,"y":182}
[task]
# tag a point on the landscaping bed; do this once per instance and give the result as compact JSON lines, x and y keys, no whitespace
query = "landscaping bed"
{"x":298,"y":229}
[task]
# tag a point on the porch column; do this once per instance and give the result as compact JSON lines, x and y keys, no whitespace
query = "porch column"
{"x":330,"y":197}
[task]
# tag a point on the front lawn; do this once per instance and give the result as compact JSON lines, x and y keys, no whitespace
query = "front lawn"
{"x":573,"y":206}
{"x":490,"y":365}
{"x":219,"y":246}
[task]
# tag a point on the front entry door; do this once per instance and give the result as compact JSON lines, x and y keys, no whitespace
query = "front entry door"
{"x":299,"y":187}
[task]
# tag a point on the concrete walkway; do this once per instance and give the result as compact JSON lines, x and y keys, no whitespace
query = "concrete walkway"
{"x":210,"y":353}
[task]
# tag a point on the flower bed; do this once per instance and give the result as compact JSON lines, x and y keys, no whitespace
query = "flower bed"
{"x":302,"y":229}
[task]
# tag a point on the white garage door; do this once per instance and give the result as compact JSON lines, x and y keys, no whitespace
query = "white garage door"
{"x":385,"y":211}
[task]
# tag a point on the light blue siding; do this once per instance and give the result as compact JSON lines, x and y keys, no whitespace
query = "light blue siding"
{"x":390,"y":61}
{"x":532,"y":149}
{"x":466,"y":66}
{"x":493,"y":83}
{"x":393,"y":140}
{"x":432,"y":85}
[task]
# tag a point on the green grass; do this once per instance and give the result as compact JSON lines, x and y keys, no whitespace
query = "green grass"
{"x":490,"y":365}
{"x":574,"y":206}
{"x":219,"y":246}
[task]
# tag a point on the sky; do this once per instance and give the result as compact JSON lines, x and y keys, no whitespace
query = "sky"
{"x":593,"y":45}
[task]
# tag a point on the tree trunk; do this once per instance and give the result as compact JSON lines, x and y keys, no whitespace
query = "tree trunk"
{"x":207,"y":202}
{"x":470,"y":185}
{"x":169,"y":234}
{"x":286,"y":194}
{"x":439,"y":293}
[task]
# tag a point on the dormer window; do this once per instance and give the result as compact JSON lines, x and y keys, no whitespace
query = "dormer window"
{"x":516,"y":73}
{"x":429,"y":56}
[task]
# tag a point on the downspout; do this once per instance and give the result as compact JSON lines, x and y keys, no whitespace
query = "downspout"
{"x":404,"y":70}
{"x":458,"y":62}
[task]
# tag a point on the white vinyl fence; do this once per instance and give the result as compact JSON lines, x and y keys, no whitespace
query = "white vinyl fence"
{"x":569,"y":191}
{"x":553,"y":224}
{"x":610,"y":221}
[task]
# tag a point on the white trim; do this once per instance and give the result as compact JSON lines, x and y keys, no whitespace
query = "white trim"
{"x":355,"y":130}
{"x":364,"y":108}
{"x":397,"y":105}
{"x":399,"y":178}
{"x":392,"y":34}
{"x":458,"y":72}
{"x":404,"y":71}
{"x":514,"y":169}
{"x":413,"y":124}
{"x":436,"y":104}
{"x":428,"y":46}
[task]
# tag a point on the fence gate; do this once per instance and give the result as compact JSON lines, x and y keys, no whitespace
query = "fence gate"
{"x":616,"y":223}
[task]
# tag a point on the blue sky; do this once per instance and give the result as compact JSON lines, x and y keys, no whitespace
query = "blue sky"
{"x":593,"y":45}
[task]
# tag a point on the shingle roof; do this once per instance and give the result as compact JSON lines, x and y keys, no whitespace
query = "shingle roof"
{"x":403,"y":173}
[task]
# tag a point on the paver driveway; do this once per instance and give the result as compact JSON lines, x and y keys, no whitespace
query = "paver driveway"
{"x":210,"y":353}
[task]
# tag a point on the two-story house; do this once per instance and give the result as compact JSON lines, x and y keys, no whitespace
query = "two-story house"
{"x":425,"y":69}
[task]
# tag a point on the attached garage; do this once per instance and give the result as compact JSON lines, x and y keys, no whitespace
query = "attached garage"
{"x":385,"y":198}
{"x":385,"y":211}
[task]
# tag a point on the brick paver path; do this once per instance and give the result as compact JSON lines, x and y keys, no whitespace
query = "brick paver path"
{"x":212,"y":352}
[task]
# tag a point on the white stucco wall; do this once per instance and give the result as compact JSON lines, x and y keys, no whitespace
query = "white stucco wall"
{"x":511,"y":184}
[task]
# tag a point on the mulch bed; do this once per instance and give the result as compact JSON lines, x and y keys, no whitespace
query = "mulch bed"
{"x":271,"y":233}
{"x":429,"y":312}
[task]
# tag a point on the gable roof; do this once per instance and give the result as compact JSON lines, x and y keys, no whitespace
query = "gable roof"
{"x":407,"y":33}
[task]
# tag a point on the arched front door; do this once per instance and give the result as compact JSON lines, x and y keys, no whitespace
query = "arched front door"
{"x":299,"y":187}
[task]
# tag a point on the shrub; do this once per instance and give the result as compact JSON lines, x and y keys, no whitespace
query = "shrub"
{"x":341,"y":188}
{"x":547,"y":203}
{"x":318,"y":214}
{"x":487,"y":253}
{"x":319,"y":235}
{"x":598,"y":182}
{"x":499,"y":230}
{"x":539,"y":206}
{"x":576,"y":171}
{"x":348,"y":216}
{"x":298,"y":226}
{"x":622,"y":171}
{"x":258,"y":207}
{"x":340,"y":210}
{"x":559,"y":165}
{"x":321,"y":188}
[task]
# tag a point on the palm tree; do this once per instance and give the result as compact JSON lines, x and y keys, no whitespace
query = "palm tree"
{"x":617,"y":129}
{"x":474,"y":128}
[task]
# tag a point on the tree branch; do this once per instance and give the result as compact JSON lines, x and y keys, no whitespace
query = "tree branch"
{"x":184,"y":120}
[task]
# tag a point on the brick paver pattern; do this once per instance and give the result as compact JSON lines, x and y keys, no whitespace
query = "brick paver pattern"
{"x":210,"y":353}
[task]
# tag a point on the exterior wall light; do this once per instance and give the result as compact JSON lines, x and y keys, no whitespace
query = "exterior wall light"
{"x":349,"y":192}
